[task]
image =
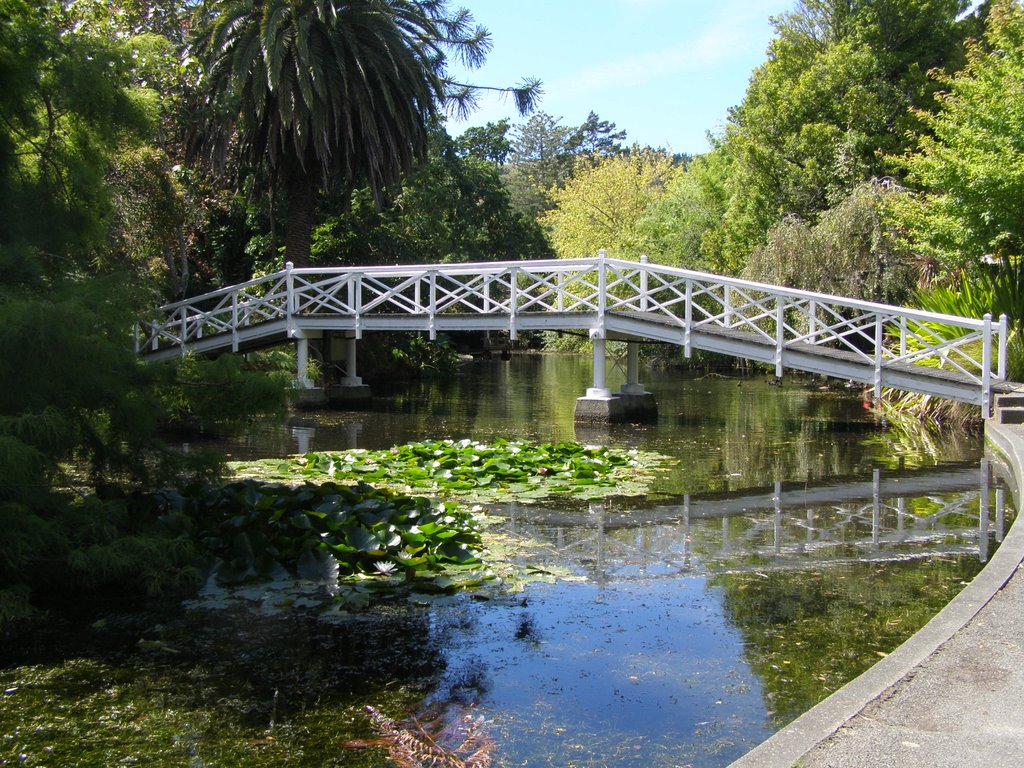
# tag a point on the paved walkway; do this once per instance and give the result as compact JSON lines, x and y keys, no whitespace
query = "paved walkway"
{"x":952,"y":696}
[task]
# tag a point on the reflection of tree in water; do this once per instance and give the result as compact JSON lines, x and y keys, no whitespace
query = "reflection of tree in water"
{"x":808,"y":633}
{"x":287,"y":662}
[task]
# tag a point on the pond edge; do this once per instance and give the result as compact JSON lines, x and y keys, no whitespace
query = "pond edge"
{"x":786,"y":747}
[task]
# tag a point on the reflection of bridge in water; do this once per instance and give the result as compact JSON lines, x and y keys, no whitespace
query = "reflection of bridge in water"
{"x":951,"y":512}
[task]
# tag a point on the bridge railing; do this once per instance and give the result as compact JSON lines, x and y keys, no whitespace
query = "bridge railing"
{"x":878,"y":335}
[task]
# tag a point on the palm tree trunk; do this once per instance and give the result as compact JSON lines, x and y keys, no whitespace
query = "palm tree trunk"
{"x":298,"y":235}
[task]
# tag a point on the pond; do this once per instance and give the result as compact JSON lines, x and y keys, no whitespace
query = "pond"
{"x":793,"y":544}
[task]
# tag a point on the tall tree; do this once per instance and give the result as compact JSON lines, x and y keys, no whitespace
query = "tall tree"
{"x":65,"y":106}
{"x":603,"y":203}
{"x":969,"y":167}
{"x":823,"y":114}
{"x":545,"y":153}
{"x":309,"y":94}
{"x":451,"y":208}
{"x":489,"y":142}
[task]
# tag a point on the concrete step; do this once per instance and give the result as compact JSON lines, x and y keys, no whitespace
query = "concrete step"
{"x":1011,"y":415}
{"x":1010,"y":401}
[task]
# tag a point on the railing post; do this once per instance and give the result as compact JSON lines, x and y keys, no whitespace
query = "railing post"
{"x":602,"y":285}
{"x":433,"y":304}
{"x":688,"y":320}
{"x":289,"y":283}
{"x":513,"y":300}
{"x":1001,"y":370}
{"x":812,"y":322}
{"x":780,"y":334}
{"x":727,"y":306}
{"x":234,"y":321}
{"x":135,"y":329}
{"x":903,"y":336}
{"x":184,"y":328}
{"x":355,"y":301}
{"x":986,"y":366}
{"x":878,"y":357}
{"x":644,"y":304}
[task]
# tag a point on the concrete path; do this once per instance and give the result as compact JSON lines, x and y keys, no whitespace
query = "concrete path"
{"x":952,"y":696}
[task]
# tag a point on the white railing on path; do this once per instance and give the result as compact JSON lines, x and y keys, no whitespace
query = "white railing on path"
{"x":877,"y":335}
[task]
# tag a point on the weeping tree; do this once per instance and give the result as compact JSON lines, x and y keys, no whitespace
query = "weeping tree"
{"x":303,"y":95}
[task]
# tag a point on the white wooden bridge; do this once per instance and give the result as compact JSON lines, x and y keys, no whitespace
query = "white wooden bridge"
{"x":873,"y":344}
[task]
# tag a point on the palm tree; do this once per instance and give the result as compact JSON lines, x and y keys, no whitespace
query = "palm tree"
{"x":310,"y":94}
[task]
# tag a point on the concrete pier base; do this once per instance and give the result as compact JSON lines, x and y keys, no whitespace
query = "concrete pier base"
{"x":603,"y":409}
{"x":352,"y":396}
{"x":309,"y":398}
{"x":639,"y":406}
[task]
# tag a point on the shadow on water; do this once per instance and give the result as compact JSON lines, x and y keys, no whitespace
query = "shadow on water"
{"x":792,"y":544}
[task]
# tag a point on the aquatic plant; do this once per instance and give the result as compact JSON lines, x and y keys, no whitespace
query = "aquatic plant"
{"x":320,"y":531}
{"x":503,"y":470}
{"x":434,"y":740}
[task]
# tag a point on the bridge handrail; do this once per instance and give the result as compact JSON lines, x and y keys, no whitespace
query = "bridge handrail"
{"x":876,"y":333}
{"x":498,"y":267}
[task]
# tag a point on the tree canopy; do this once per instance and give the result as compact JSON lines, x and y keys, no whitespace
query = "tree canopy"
{"x":310,"y":94}
{"x":840,"y":93}
{"x":969,"y":165}
{"x":603,"y":202}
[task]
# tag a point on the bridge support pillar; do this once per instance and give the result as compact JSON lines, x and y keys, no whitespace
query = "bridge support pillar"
{"x":309,"y":395}
{"x":349,"y":391}
{"x":599,"y":405}
{"x":637,"y":402}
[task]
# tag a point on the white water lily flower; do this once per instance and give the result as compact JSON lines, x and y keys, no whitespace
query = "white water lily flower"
{"x":385,"y":567}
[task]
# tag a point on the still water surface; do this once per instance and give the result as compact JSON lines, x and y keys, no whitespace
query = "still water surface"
{"x":793,"y":543}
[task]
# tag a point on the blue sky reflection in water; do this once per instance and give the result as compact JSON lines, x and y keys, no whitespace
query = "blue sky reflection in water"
{"x":630,"y":673}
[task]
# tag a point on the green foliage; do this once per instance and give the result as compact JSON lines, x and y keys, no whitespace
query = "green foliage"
{"x":148,"y":221}
{"x":691,"y":209}
{"x":313,"y":95}
{"x":852,"y":251}
{"x":258,"y":530}
{"x":66,"y":106}
{"x":453,"y":208}
{"x":993,"y":289}
{"x":81,"y":411}
{"x":604,"y":201}
{"x":489,"y":142}
{"x":545,"y":154}
{"x":402,"y":356}
{"x":821,"y":115}
{"x":970,"y":164}
{"x":226,"y":391}
{"x":473,"y":471}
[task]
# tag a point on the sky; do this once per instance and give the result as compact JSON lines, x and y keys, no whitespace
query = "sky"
{"x":665,"y":71}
